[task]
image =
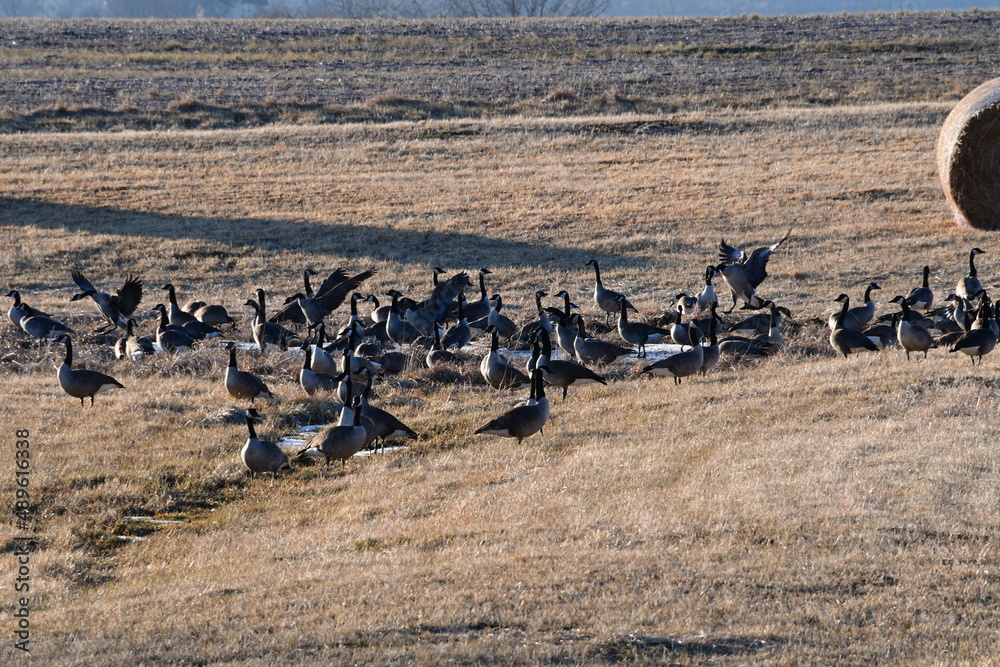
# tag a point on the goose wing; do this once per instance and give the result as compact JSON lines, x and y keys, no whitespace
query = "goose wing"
{"x":128,"y":296}
{"x":81,"y":282}
{"x":330,"y":296}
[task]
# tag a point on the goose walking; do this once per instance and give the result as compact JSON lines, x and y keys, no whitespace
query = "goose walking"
{"x":82,"y":383}
{"x":637,"y":333}
{"x":524,"y":420}
{"x":681,"y":364}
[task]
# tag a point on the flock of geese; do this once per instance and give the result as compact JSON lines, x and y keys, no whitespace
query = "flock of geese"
{"x":385,"y":342}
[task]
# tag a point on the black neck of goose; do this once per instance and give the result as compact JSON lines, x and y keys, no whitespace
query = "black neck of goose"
{"x":539,"y":386}
{"x":482,"y":285}
{"x":622,"y":311}
{"x":536,"y":350}
{"x":256,"y":308}
{"x":435,"y":279}
{"x":774,"y":317}
{"x":437,"y":337}
{"x":305,"y":280}
{"x":368,"y":387}
{"x":260,"y":304}
{"x":709,"y":273}
{"x":546,"y":342}
{"x":17,"y":298}
{"x":581,"y":328}
{"x":69,"y":351}
{"x":357,"y":409}
{"x":321,"y":334}
{"x":597,"y":273}
{"x":164,"y":320}
{"x":172,"y":295}
{"x":566,"y":304}
{"x":461,"y":308}
{"x":232,"y":357}
{"x":394,"y":306}
{"x":349,"y":399}
{"x":347,"y":362}
{"x":868,"y":293}
{"x":307,"y":354}
{"x":906,"y":310}
{"x":253,"y":433}
{"x":499,"y":305}
{"x":927,"y":274}
{"x":354,"y":305}
{"x":494,"y":340}
{"x":843,"y":312}
{"x":538,"y":302}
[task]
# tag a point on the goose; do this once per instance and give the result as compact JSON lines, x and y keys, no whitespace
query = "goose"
{"x":497,"y":370}
{"x":912,"y":337}
{"x":44,"y":327}
{"x":524,"y":420}
{"x":707,"y":296}
{"x":884,"y":335}
{"x":459,"y":335}
{"x":114,"y":308}
{"x":680,"y":331}
{"x":978,"y":342}
{"x":773,"y":335}
{"x":846,"y":340}
{"x":745,"y":348}
{"x":637,"y":333}
{"x":594,"y":350}
{"x":329,"y":297}
{"x":386,"y":424}
{"x":82,"y":383}
{"x":711,"y":323}
{"x":170,"y":337}
{"x":681,"y":364}
{"x":392,"y":363}
{"x":961,"y":311}
{"x":21,"y":310}
{"x":505,"y":327}
{"x":561,"y":372}
{"x":321,"y":362}
{"x":858,"y":318}
{"x":439,"y":355}
{"x":351,"y":378}
{"x":261,"y":455}
{"x":311,"y":380}
{"x":476,"y":310}
{"x":522,"y":340}
{"x":213,"y":315}
{"x":606,"y":299}
{"x":921,"y":298}
{"x":355,"y":317}
{"x":177,"y":316}
{"x":438,"y":306}
{"x":291,"y":312}
{"x":687,"y":303}
{"x":399,"y":330}
{"x":744,"y":273}
{"x":339,"y":441}
{"x":350,"y":393}
{"x":267,"y":333}
{"x":243,"y":385}
{"x":970,"y":284}
{"x":131,"y":346}
{"x":757,"y":324}
{"x":199,"y":330}
{"x":712,"y":353}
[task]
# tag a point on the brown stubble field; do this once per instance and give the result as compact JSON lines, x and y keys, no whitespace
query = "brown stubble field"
{"x":805,"y":509}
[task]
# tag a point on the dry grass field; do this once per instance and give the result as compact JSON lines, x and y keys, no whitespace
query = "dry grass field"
{"x":805,"y":509}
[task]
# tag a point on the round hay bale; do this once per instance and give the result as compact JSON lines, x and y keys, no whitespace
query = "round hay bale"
{"x":968,"y":156}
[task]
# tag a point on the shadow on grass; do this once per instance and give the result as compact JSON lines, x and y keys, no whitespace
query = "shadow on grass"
{"x":235,"y":237}
{"x":634,"y":647}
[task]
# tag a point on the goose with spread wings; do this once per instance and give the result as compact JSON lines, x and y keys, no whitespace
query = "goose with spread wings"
{"x":743,"y":273}
{"x":115,"y":308}
{"x":311,"y":309}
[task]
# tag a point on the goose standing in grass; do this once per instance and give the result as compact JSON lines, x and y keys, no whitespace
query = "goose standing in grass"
{"x":386,"y":424}
{"x":339,"y":441}
{"x":523,"y":338}
{"x":758,"y":324}
{"x":214,"y":315}
{"x":970,"y":285}
{"x":744,"y":273}
{"x":524,"y":420}
{"x":980,"y":340}
{"x":82,"y":383}
{"x":637,"y":333}
{"x":607,"y":299}
{"x":261,"y":455}
{"x":922,"y":298}
{"x":711,"y":353}
{"x":243,"y":385}
{"x":681,"y":364}
{"x":562,"y":372}
{"x":321,"y":361}
{"x":859,"y":317}
{"x":846,"y":340}
{"x":680,"y":331}
{"x":884,"y":335}
{"x":912,"y":337}
{"x":594,"y":350}
{"x":399,"y":330}
{"x":333,"y":292}
{"x":114,"y":308}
